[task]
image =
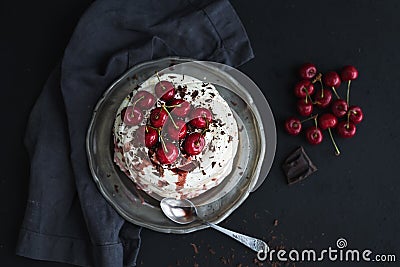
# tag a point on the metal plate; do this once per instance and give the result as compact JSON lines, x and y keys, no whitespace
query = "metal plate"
{"x":214,"y":205}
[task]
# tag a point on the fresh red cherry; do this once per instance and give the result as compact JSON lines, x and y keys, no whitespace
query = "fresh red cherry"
{"x":167,"y":153}
{"x":158,"y":117}
{"x":323,"y":98}
{"x":200,"y":117}
{"x":327,"y":121}
{"x":144,"y":99}
{"x":148,"y":134}
{"x":308,"y":71}
{"x":178,"y":132}
{"x":194,"y":143}
{"x":302,"y":88}
{"x":293,"y":126}
{"x":179,"y":107}
{"x":332,"y":79}
{"x":132,"y":116}
{"x":346,"y":129}
{"x":349,"y":73}
{"x":355,"y":114}
{"x":314,"y":135}
{"x":339,"y":108}
{"x":304,"y":107}
{"x":165,"y":90}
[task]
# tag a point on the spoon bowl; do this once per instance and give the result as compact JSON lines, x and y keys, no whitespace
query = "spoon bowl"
{"x":179,"y":211}
{"x":183,"y":211}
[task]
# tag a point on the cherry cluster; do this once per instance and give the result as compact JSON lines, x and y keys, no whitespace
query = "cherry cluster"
{"x":317,"y":104}
{"x":166,"y":131}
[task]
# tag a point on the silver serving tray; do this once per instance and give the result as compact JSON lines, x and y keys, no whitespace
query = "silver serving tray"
{"x":254,"y":158}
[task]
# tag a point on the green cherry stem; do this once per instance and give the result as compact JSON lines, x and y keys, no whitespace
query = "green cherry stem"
{"x":318,"y":78}
{"x":308,"y":96}
{"x":309,"y":118}
{"x":170,"y":116}
{"x":334,"y":91}
{"x":162,"y":142}
{"x":205,"y":129}
{"x":316,"y":121}
{"x":348,"y":93}
{"x":159,"y":80}
{"x":337,"y":151}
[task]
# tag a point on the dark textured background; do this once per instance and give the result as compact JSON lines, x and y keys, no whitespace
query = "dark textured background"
{"x":354,"y":196}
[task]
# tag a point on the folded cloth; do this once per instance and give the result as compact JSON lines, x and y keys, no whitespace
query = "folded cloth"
{"x":67,"y":219}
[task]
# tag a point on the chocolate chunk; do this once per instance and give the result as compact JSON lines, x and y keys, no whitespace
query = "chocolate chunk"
{"x":189,"y":166}
{"x":298,"y":166}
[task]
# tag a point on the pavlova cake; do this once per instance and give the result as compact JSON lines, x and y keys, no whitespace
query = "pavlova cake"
{"x":175,"y":136}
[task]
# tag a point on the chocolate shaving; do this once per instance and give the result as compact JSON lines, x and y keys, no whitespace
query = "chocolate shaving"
{"x":196,"y":250}
{"x":298,"y":166}
{"x":195,"y":94}
{"x":213,"y":164}
{"x":230,"y":138}
{"x":233,"y":103}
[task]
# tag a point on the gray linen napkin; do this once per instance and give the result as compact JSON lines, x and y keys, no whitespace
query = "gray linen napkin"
{"x":67,"y":219}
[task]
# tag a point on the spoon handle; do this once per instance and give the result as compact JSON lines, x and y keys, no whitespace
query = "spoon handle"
{"x":255,"y":244}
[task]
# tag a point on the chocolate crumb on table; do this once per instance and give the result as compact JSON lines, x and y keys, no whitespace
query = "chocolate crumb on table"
{"x":195,"y":249}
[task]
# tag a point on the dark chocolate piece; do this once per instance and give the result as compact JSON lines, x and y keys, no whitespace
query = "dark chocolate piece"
{"x":298,"y":166}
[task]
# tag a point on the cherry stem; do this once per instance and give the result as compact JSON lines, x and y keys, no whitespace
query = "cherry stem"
{"x":318,"y":78}
{"x":348,"y":92}
{"x":162,"y":142}
{"x":337,"y":151}
{"x":159,"y":80}
{"x":348,"y":117}
{"x":316,"y":121}
{"x":134,"y":104}
{"x":307,"y":95}
{"x":309,"y":118}
{"x":334,"y":91}
{"x":205,"y":129}
{"x":149,"y":126}
{"x":170,"y":116}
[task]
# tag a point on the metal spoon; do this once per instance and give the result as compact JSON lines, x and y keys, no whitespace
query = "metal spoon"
{"x":185,"y":212}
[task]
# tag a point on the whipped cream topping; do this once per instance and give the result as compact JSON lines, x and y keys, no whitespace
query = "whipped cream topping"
{"x":188,"y":176}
